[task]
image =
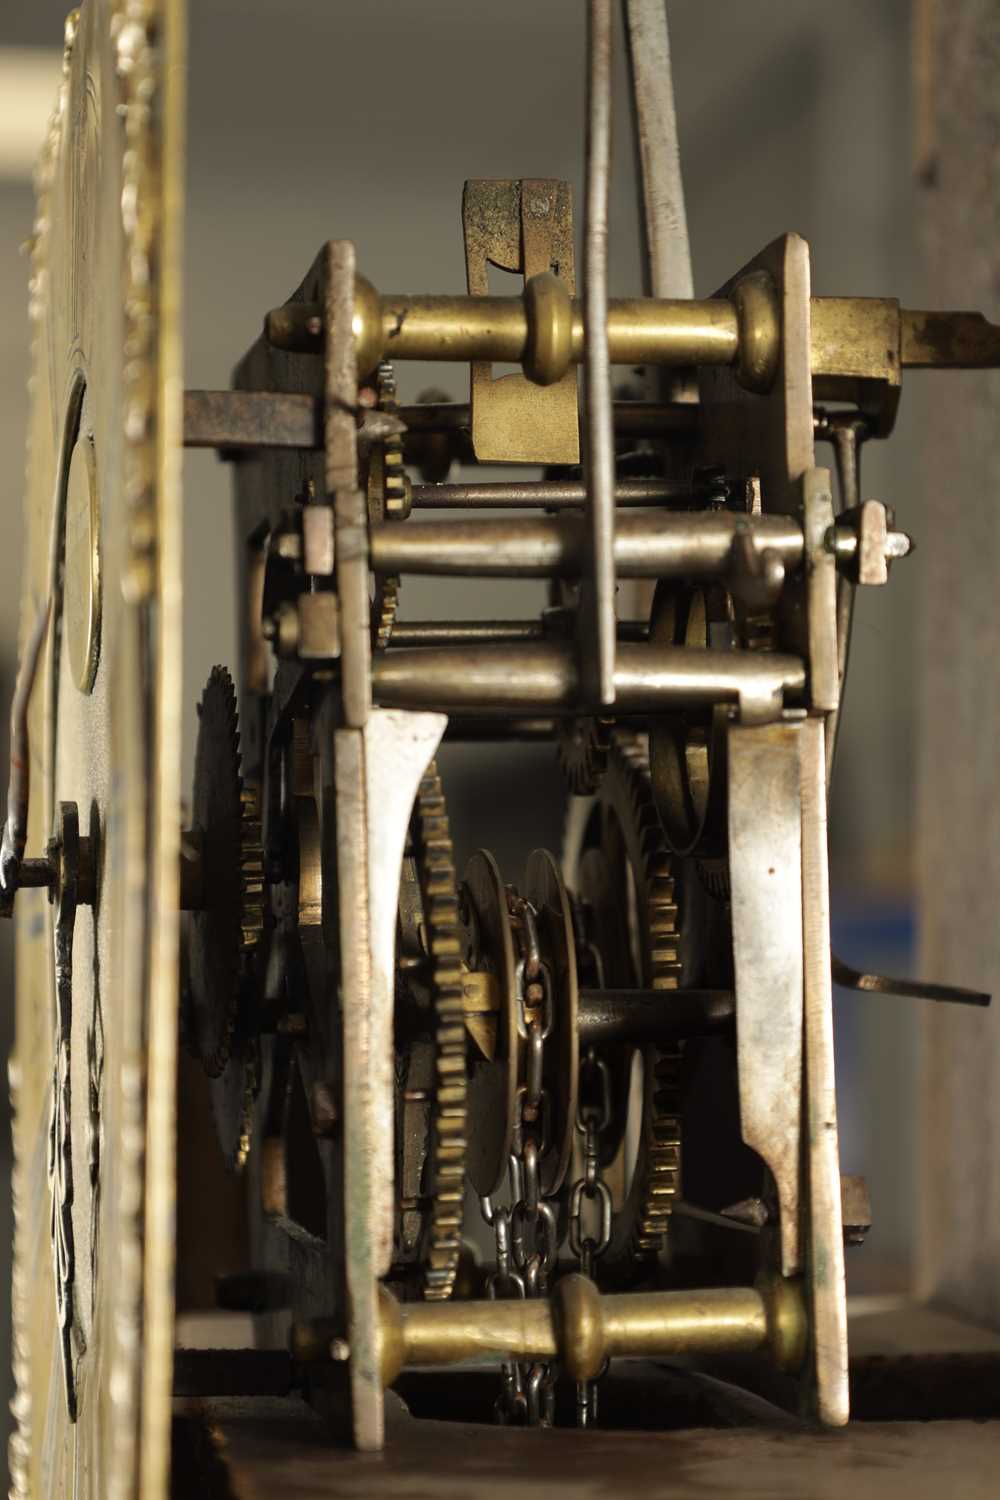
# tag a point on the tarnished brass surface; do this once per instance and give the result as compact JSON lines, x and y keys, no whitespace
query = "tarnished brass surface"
{"x":758,"y":315}
{"x":654,"y":331}
{"x":102,"y":495}
{"x":481,"y":1008}
{"x":581,"y":1327}
{"x":858,"y":345}
{"x":527,"y":228}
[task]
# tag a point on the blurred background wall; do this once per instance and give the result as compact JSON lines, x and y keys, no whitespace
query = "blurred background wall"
{"x":309,"y":119}
{"x":959,"y":724}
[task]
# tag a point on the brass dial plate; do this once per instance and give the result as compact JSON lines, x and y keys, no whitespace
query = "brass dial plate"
{"x":102,"y":507}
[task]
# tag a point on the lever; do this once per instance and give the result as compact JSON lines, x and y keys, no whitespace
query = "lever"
{"x":917,"y":989}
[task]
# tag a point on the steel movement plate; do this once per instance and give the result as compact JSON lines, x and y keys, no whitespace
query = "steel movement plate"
{"x":94,"y":1179}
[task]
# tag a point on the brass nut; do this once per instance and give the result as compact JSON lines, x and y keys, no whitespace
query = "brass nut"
{"x":580,"y":1326}
{"x":759,"y":322}
{"x":548,"y":347}
{"x":367,"y":327}
{"x":391,"y":1342}
{"x":787,"y":1325}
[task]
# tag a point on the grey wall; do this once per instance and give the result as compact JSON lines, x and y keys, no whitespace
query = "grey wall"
{"x":310,"y":119}
{"x":959,"y":708}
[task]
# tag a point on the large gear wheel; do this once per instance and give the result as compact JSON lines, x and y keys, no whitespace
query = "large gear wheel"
{"x":432,"y":1114}
{"x":228,"y":920}
{"x":640,"y":879}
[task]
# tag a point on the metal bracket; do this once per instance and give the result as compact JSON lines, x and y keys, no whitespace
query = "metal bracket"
{"x":527,"y":227}
{"x":377,"y":770}
{"x":350,"y":517}
{"x":765,"y":861}
{"x":828,"y":1390}
{"x":820,"y":591}
{"x":784,"y":1018}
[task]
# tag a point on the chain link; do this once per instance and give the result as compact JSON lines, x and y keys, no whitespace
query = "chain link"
{"x":590,"y":1202}
{"x":527,"y":1232}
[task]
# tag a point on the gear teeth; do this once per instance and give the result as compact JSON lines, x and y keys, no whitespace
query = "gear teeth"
{"x":220,"y":687}
{"x":714,"y":876}
{"x":396,"y":504}
{"x":385,"y":607}
{"x":398,"y":497}
{"x":251,"y":871}
{"x":250,"y":863}
{"x":582,"y":749}
{"x":655,"y":873}
{"x":435,"y":856}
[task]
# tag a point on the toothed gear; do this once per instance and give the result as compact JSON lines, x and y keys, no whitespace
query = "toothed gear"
{"x":384,"y":609}
{"x":687,"y":755}
{"x":396,"y":484}
{"x":627,"y":804}
{"x":443,"y":1175}
{"x":389,"y":499}
{"x":225,"y":931}
{"x":582,"y":749}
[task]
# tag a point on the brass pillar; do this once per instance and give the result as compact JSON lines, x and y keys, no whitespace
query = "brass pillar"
{"x":581,"y":1328}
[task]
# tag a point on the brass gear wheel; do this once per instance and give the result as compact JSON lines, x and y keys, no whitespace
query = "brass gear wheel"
{"x":631,"y":835}
{"x":389,"y":499}
{"x":226,"y":927}
{"x":443,"y":1174}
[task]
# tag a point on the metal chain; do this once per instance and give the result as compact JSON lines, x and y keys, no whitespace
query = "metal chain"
{"x":591,"y":1192}
{"x":526,"y":1233}
{"x":512,"y":1403}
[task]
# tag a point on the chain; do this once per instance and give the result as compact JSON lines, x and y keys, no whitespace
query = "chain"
{"x":526,"y":1233}
{"x":512,"y":1403}
{"x":591,"y":1193}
